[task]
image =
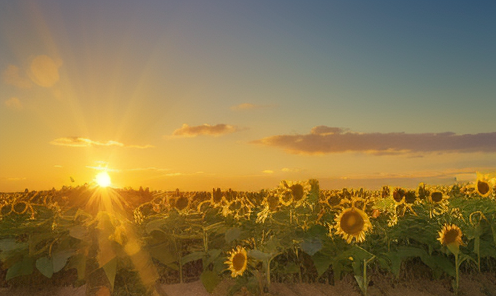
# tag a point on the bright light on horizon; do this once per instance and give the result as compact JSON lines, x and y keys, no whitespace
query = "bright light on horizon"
{"x":103,"y":179}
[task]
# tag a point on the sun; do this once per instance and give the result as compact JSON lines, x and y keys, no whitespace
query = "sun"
{"x":103,"y":179}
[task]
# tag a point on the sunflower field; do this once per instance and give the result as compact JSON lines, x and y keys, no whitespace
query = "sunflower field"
{"x":129,"y":240}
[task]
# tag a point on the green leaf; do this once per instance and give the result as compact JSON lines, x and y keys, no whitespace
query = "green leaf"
{"x":321,"y":262}
{"x":213,"y":254}
{"x":311,"y":246}
{"x":111,"y":270}
{"x":10,"y":244}
{"x":439,"y":263}
{"x":60,"y":259}
{"x":24,"y":267}
{"x":337,"y":269}
{"x":80,"y":232}
{"x":192,"y":257}
{"x":154,"y":225}
{"x":210,"y":280}
{"x":45,"y":266}
{"x":290,"y":268}
{"x":256,"y":254}
{"x":162,"y":254}
{"x":232,"y":234}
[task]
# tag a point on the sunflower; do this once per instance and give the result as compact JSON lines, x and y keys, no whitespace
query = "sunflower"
{"x":484,"y":185}
{"x":450,"y":235}
{"x":298,"y":192}
{"x":237,"y":261}
{"x":352,"y":223}
{"x":182,"y":204}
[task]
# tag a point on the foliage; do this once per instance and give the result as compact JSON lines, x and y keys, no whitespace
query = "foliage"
{"x":292,"y":232}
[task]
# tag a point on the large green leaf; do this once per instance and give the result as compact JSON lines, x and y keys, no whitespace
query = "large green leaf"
{"x":232,"y":234}
{"x":210,"y":280}
{"x":311,"y":245}
{"x":24,"y":267}
{"x":60,"y":259}
{"x":162,"y":254}
{"x":80,"y":232}
{"x":321,"y":262}
{"x":111,"y":270}
{"x":256,"y":254}
{"x":192,"y":257}
{"x":45,"y":266}
{"x":155,"y":225}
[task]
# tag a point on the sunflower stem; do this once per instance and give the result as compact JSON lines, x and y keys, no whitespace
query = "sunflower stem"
{"x":457,"y":268}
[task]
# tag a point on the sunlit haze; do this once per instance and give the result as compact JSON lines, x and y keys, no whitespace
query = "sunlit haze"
{"x":243,"y":94}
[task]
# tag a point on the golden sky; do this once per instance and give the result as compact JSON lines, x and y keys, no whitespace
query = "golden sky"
{"x":196,"y":95}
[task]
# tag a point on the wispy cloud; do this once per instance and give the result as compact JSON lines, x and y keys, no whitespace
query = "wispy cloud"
{"x":152,"y":169}
{"x":324,"y":139}
{"x":104,"y":168}
{"x":12,"y":76}
{"x":14,"y":103}
{"x":84,"y":142}
{"x":291,"y":170}
{"x":44,"y":71}
{"x":249,"y":106}
{"x":268,"y":171}
{"x":205,"y":129}
{"x":15,"y":178}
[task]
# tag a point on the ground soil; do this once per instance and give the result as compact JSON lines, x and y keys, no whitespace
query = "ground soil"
{"x":470,"y":285}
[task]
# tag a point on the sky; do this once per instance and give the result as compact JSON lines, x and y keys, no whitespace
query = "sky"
{"x":197,"y":95}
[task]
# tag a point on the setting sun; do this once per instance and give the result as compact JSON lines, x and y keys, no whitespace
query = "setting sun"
{"x":103,"y":179}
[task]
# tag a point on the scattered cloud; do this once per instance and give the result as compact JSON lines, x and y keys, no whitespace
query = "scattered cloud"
{"x":324,"y":140}
{"x":268,"y":171}
{"x":44,"y":71}
{"x":291,"y":170}
{"x":468,"y":173}
{"x":249,"y":106}
{"x":12,"y":76}
{"x":205,"y":129}
{"x":15,"y":178}
{"x":147,"y":169}
{"x":57,"y":166}
{"x":14,"y":103}
{"x":100,"y":168}
{"x":83,"y":142}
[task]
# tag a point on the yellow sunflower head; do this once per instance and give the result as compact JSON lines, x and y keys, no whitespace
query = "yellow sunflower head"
{"x":298,"y":191}
{"x":352,"y":223}
{"x":450,"y":235}
{"x":484,"y":185}
{"x":182,"y":204}
{"x":237,"y":261}
{"x":398,"y":195}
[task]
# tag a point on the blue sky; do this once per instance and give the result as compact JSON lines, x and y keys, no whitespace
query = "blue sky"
{"x":192,"y":94}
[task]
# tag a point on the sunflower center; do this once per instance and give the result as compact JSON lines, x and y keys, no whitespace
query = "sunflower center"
{"x":482,"y":187}
{"x":238,"y":261}
{"x":273,"y":202}
{"x":286,"y":197}
{"x":352,"y":222}
{"x":181,"y":203}
{"x":398,"y":195}
{"x":437,"y":196}
{"x":297,"y":191}
{"x":450,"y":236}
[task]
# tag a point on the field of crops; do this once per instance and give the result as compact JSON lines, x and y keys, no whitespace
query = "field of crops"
{"x":127,"y":241}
